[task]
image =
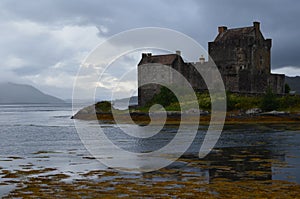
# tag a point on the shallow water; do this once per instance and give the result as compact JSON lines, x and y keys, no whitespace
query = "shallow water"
{"x":41,"y":140}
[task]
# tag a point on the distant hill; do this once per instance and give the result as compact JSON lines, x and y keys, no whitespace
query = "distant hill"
{"x":294,"y":83}
{"x":11,"y":93}
{"x":123,"y":103}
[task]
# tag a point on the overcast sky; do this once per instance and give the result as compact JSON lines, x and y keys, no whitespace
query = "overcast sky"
{"x":44,"y":42}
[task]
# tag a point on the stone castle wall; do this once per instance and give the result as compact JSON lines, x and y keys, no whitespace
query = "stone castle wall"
{"x":242,"y":55}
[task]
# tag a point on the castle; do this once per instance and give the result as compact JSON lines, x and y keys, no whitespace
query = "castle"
{"x":242,"y":55}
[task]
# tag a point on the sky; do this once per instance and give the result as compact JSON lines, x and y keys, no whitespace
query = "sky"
{"x":43,"y":43}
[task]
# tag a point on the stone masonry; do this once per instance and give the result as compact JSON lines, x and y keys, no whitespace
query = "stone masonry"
{"x":242,"y":55}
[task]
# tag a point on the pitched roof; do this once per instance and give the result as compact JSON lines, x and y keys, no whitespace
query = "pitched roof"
{"x":234,"y":33}
{"x":162,"y":59}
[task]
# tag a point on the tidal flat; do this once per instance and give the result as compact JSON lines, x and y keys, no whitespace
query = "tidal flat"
{"x":256,"y":162}
{"x":48,"y":159}
{"x":225,"y":173}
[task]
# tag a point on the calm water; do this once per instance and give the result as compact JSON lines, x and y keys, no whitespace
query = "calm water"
{"x":44,"y":136}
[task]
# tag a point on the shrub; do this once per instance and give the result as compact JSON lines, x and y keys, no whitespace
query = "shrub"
{"x":287,"y":88}
{"x":103,"y":106}
{"x":288,"y":102}
{"x":204,"y":101}
{"x":269,"y":101}
{"x":165,"y":98}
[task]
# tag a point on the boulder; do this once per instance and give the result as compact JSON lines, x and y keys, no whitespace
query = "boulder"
{"x":253,"y":111}
{"x":275,"y":113}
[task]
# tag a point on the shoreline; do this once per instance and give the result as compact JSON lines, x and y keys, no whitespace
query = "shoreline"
{"x":141,"y":118}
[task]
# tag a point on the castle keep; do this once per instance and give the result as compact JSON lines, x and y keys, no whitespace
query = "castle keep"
{"x":242,"y":55}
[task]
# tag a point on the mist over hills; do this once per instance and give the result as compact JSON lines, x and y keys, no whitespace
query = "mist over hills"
{"x":11,"y":93}
{"x":294,"y":83}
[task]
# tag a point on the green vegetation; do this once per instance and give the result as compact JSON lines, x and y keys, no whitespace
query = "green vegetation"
{"x":289,"y":103}
{"x":242,"y":102}
{"x":204,"y":101}
{"x":165,"y":98}
{"x":267,"y":102}
{"x":103,"y":106}
{"x":287,"y":88}
{"x":168,"y":100}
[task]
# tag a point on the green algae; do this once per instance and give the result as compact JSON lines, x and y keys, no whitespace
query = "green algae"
{"x":173,"y":183}
{"x":240,"y":173}
{"x":219,"y":188}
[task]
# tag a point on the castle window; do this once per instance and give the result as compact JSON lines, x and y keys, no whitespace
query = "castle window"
{"x":261,"y":60}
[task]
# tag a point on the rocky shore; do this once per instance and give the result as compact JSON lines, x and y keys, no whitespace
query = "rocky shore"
{"x":253,"y":116}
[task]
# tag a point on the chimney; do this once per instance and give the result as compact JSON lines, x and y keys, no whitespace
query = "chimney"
{"x":222,"y":29}
{"x":256,"y":25}
{"x":178,"y":52}
{"x":144,"y":55}
{"x":202,"y":59}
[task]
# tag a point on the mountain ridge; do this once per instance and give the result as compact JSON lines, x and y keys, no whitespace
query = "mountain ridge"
{"x":13,"y":93}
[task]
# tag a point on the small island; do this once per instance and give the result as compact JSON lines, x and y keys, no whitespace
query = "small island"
{"x":265,"y":109}
{"x":254,"y":94}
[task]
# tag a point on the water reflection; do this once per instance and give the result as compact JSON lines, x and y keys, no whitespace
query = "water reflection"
{"x":243,"y":154}
{"x":240,"y":163}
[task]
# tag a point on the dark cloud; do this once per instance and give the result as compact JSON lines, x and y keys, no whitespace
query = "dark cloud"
{"x":198,"y":19}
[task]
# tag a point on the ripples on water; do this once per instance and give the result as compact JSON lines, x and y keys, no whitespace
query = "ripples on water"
{"x":34,"y":137}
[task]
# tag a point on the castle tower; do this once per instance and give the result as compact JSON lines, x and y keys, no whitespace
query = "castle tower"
{"x":243,"y":56}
